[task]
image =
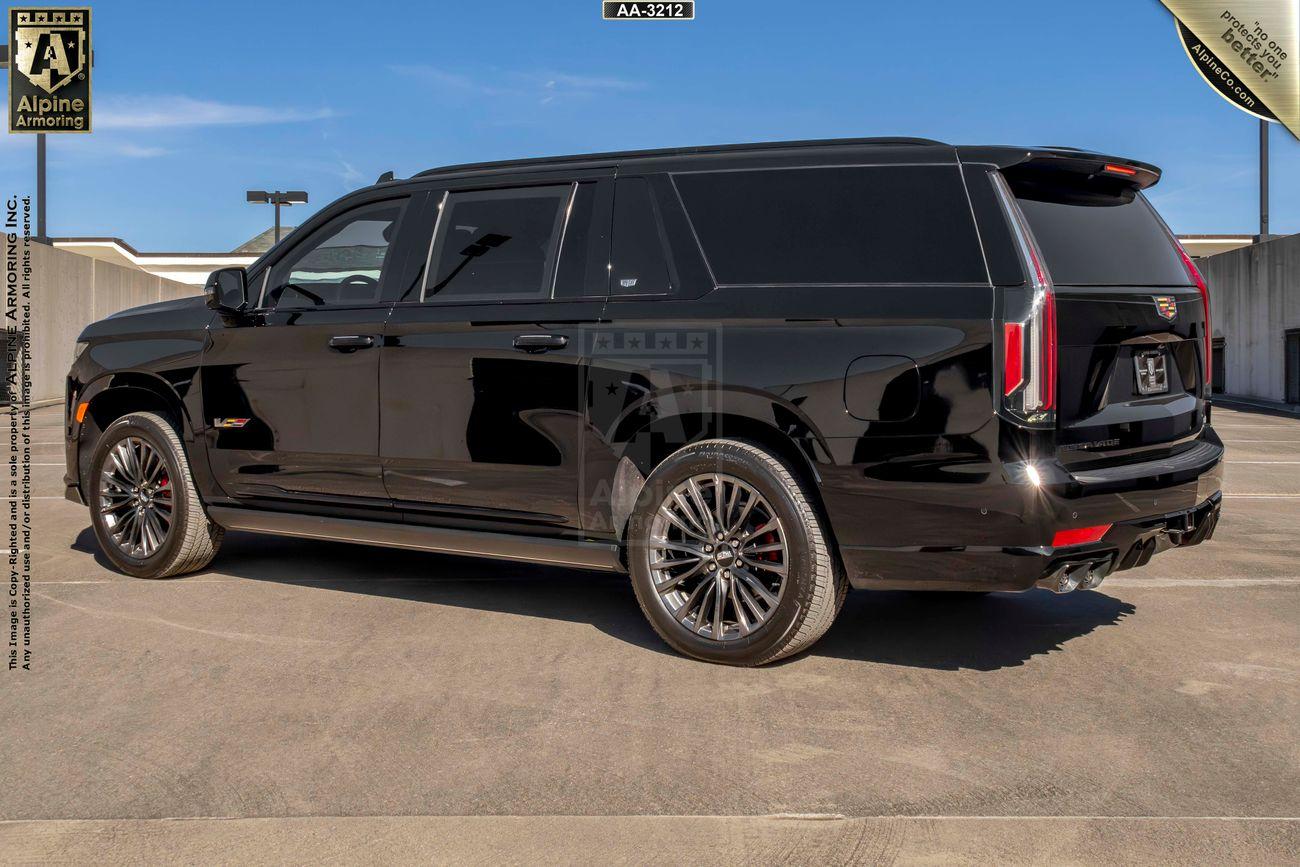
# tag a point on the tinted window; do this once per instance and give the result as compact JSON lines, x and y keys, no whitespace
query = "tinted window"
{"x":339,"y":264}
{"x":497,"y":243}
{"x":582,"y":268}
{"x":1100,"y":239}
{"x":879,"y":224}
{"x":638,"y":266}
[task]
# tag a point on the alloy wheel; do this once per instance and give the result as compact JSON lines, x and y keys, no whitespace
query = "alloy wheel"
{"x":718,"y":557}
{"x":135,"y":497}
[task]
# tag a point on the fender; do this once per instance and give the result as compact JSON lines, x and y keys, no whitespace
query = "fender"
{"x":617,"y":460}
{"x":172,"y":383}
{"x":653,"y":411}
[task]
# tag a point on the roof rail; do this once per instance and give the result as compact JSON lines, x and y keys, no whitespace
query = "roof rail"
{"x":685,"y":151}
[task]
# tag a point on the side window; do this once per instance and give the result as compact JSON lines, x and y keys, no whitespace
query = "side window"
{"x":497,"y":244}
{"x":638,"y":264}
{"x":584,"y":244}
{"x":340,"y":264}
{"x":835,"y":225}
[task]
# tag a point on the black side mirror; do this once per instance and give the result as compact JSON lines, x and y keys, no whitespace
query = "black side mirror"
{"x":227,"y":290}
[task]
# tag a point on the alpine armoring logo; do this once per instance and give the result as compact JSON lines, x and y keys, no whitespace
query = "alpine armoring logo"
{"x":49,"y":85}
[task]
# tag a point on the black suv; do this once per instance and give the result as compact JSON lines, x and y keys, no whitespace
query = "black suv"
{"x":751,"y":376}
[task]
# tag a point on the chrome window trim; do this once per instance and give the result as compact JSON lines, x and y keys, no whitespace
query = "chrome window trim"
{"x":564,"y":232}
{"x":428,"y":258}
{"x":1026,"y":246}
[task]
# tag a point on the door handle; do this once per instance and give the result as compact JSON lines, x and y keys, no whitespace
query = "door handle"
{"x":540,"y":342}
{"x":351,"y":342}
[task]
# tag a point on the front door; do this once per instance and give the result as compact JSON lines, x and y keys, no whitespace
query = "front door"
{"x":483,"y":381}
{"x":291,"y":389}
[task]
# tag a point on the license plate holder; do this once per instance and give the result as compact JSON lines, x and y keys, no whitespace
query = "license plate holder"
{"x":1152,"y":372}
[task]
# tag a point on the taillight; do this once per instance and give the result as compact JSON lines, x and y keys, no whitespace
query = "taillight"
{"x":1195,"y":274}
{"x":1029,"y":344}
{"x":1013,"y":357}
{"x":1080,"y":535}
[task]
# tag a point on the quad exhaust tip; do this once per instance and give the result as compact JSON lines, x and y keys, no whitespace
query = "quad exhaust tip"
{"x":1069,"y":577}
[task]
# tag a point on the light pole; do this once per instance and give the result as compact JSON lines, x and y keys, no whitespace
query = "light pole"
{"x":1263,"y":180}
{"x":277,"y":198}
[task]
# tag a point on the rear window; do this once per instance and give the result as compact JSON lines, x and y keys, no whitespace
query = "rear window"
{"x":1100,"y":240}
{"x":873,"y":224}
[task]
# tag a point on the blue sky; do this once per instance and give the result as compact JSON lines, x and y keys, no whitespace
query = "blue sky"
{"x":197,"y":101}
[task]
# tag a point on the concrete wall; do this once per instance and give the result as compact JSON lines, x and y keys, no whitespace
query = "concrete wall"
{"x":1254,"y":300}
{"x":69,"y":291}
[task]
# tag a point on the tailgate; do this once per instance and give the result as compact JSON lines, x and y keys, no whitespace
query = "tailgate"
{"x":1131,"y":317}
{"x":1110,"y":340}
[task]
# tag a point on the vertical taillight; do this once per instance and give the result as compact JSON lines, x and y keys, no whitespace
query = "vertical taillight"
{"x":1195,"y":274}
{"x":1013,"y":357}
{"x":1028,"y":315}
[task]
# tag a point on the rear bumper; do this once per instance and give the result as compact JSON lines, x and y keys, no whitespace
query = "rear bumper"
{"x":1127,"y":545}
{"x":1152,"y":506}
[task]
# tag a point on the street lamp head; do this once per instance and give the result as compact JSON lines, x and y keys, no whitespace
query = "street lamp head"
{"x":277,"y":198}
{"x":292,"y":197}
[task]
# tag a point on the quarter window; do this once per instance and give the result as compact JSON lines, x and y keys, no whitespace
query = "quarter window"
{"x":341,"y":264}
{"x":639,"y":266}
{"x":497,"y":244}
{"x":856,"y":224}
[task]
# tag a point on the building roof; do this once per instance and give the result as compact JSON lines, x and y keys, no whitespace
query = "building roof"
{"x":192,"y":268}
{"x":262,"y":241}
{"x":108,"y":240}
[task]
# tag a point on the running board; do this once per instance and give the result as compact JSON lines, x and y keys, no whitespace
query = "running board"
{"x":468,"y":543}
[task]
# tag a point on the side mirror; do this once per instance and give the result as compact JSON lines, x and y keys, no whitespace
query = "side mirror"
{"x":227,"y":290}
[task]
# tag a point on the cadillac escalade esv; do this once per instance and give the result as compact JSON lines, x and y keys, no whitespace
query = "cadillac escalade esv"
{"x":750,"y":376}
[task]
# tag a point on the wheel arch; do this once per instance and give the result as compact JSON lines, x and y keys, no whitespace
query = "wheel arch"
{"x":117,"y":394}
{"x":778,"y":429}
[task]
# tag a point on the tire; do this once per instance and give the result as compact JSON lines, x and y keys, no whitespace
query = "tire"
{"x":189,"y":541}
{"x":791,"y":559}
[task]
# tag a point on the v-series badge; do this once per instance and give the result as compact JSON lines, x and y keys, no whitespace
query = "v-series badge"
{"x":616,"y":11}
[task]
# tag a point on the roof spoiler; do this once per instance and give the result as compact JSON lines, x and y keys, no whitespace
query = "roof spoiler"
{"x":1117,"y":173}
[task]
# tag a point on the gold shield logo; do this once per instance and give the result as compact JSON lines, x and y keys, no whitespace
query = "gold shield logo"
{"x":1166,"y":306}
{"x":50,"y":46}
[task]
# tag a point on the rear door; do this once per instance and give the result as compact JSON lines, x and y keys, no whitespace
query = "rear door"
{"x":483,"y":386}
{"x":1131,"y":320}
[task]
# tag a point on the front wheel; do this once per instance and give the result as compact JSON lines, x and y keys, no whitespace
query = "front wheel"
{"x":143,"y":504}
{"x":729,"y":558}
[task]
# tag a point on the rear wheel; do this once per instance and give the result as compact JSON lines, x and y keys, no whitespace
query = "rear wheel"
{"x":143,"y":505}
{"x":729,"y":558}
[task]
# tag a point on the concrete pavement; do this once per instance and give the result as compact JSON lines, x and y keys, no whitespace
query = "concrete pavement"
{"x":319,"y":701}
